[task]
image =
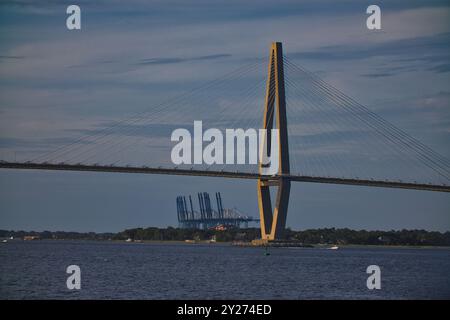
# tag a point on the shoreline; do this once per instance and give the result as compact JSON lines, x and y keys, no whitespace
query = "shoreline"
{"x":230,"y":243}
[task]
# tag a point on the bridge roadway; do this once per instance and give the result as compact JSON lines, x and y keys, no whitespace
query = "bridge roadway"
{"x":222,"y":174}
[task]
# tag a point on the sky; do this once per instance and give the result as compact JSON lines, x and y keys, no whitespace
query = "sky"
{"x":56,"y":85}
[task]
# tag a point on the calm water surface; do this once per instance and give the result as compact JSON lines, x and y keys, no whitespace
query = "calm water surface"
{"x":110,"y":270}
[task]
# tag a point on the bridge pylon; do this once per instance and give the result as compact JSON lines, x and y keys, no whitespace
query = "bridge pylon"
{"x":273,"y":222}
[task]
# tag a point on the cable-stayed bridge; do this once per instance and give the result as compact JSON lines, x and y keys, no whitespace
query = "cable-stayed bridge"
{"x":325,"y":137}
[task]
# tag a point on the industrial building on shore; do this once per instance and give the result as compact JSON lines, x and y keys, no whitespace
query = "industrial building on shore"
{"x":208,"y":218}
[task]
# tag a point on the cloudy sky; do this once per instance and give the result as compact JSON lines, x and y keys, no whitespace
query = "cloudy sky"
{"x":56,"y":85}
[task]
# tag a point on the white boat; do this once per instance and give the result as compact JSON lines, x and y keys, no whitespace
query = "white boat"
{"x":333,"y":248}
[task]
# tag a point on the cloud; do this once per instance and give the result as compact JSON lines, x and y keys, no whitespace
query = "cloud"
{"x":142,"y":129}
{"x":378,"y":75}
{"x":126,"y":65}
{"x":427,"y":48}
{"x":11,"y":57}
{"x":19,"y":143}
{"x":441,"y":68}
{"x":152,"y":61}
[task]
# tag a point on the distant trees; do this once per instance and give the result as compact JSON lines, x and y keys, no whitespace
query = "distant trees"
{"x":57,"y":235}
{"x":312,"y":236}
{"x":177,"y":234}
{"x":347,"y":236}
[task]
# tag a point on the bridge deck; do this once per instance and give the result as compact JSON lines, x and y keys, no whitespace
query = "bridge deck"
{"x":222,"y":174}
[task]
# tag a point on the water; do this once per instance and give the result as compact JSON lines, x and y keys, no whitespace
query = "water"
{"x":111,"y":270}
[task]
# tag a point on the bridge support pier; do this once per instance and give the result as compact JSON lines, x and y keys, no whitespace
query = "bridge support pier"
{"x":273,"y":222}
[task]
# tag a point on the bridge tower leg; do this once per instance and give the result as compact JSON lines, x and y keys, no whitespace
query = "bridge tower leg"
{"x":273,"y":222}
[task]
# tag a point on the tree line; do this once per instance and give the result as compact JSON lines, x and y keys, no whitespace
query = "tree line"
{"x":311,"y":236}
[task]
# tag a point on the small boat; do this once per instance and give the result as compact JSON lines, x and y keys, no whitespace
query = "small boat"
{"x":5,"y":241}
{"x":333,"y":248}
